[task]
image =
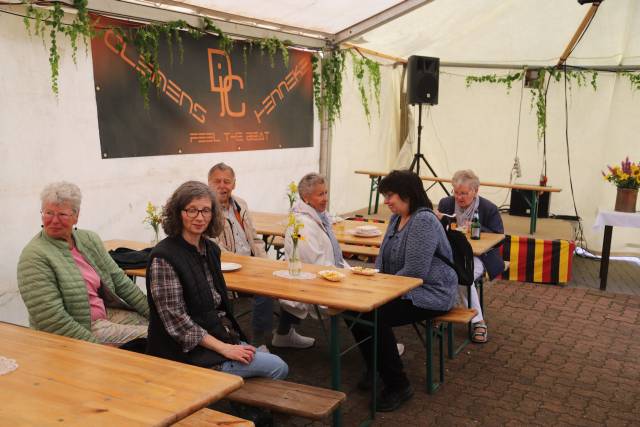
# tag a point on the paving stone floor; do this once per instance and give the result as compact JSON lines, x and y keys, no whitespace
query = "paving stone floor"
{"x":555,"y":356}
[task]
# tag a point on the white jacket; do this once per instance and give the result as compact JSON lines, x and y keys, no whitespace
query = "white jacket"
{"x":316,"y":249}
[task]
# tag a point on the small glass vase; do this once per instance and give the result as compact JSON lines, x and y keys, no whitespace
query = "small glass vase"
{"x":295,"y":265}
{"x":156,"y":237}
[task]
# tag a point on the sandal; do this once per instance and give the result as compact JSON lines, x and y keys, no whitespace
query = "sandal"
{"x":480,"y":333}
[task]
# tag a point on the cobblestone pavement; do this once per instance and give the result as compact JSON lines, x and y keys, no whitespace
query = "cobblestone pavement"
{"x":555,"y":356}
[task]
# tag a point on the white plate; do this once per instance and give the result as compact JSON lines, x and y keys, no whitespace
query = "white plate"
{"x":230,"y":266}
{"x":375,"y":234}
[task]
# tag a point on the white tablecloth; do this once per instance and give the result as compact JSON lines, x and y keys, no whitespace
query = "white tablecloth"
{"x":617,"y":219}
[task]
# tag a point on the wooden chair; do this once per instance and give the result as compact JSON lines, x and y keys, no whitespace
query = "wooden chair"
{"x":289,"y":398}
{"x":209,"y":418}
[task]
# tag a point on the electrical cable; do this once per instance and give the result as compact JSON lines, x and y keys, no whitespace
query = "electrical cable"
{"x":513,"y":170}
{"x":580,"y":234}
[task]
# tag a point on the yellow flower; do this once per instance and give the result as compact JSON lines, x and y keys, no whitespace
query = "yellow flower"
{"x":293,"y":188}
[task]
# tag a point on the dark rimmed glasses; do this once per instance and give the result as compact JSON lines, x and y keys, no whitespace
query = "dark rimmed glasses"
{"x":193,"y":212}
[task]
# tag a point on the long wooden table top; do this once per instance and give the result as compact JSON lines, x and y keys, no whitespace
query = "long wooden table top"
{"x":63,"y":381}
{"x":540,"y":188}
{"x":272,"y":224}
{"x":356,"y":292}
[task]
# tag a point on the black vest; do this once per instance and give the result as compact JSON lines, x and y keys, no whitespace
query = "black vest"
{"x":190,"y":266}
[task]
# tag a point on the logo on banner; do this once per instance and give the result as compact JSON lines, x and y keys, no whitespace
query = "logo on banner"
{"x":221,"y":77}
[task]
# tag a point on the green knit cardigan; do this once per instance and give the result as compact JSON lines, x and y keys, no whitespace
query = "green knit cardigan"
{"x":55,"y":292}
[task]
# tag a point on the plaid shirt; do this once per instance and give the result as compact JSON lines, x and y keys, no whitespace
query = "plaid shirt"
{"x":166,"y":291}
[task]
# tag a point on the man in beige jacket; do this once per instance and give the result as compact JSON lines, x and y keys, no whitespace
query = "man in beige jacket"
{"x":239,"y":236}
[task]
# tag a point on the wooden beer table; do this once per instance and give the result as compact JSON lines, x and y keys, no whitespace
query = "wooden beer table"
{"x":64,"y":381}
{"x":356,"y":293}
{"x":375,"y":178}
{"x":270,"y":224}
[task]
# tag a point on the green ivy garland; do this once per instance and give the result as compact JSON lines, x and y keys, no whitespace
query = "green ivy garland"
{"x":271,"y":46}
{"x":145,"y":38}
{"x":634,"y":78}
{"x":327,"y":84}
{"x":52,"y":18}
{"x":361,"y":66}
{"x":538,"y":90}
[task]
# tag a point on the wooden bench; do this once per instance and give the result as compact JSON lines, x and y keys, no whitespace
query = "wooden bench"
{"x":457,"y":315}
{"x":287,"y":397}
{"x":209,"y":418}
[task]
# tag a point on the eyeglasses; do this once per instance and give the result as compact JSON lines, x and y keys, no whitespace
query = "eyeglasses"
{"x":62,"y":216}
{"x":193,"y":212}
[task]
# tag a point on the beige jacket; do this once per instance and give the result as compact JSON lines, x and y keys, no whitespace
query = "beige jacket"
{"x":226,"y":241}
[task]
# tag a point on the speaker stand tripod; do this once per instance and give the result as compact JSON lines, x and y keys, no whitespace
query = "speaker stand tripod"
{"x":415,"y":164}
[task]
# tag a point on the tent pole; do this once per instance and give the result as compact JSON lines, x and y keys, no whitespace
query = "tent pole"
{"x":325,"y":145}
{"x":576,"y":36}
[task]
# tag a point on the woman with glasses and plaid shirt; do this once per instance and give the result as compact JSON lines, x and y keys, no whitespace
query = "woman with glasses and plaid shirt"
{"x":70,"y":284}
{"x":191,"y":320}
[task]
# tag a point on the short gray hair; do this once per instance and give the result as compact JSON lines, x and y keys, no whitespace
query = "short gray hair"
{"x":221,"y":167}
{"x":308,"y":182}
{"x":466,"y":176}
{"x":62,"y":192}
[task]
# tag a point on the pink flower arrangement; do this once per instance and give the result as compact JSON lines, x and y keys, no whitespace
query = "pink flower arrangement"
{"x":627,"y":175}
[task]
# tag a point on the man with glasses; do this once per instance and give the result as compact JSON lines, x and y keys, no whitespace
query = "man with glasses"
{"x":239,"y":236}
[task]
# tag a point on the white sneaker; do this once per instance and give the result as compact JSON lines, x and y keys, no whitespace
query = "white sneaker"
{"x":292,"y":340}
{"x":263,"y":349}
{"x":400,"y":349}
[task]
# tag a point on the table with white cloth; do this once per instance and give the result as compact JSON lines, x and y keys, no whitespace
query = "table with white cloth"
{"x":608,"y":220}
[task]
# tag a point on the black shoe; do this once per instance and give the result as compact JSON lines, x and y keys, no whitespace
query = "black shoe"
{"x":392,"y":399}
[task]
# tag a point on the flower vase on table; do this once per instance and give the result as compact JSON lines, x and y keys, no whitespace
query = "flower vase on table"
{"x":626,"y":178}
{"x":295,"y":265}
{"x":153,"y":220}
{"x":156,"y":236}
{"x":626,"y":199}
{"x":293,"y":230}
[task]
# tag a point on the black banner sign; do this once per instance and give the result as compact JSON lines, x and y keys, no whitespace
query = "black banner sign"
{"x":211,"y":101}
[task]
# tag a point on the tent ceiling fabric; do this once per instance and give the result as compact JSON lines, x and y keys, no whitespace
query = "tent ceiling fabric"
{"x":516,"y":32}
{"x":325,"y":16}
{"x":512,"y":32}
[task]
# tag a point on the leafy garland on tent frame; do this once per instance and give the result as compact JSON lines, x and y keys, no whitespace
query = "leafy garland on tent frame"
{"x":327,"y":82}
{"x":539,"y":89}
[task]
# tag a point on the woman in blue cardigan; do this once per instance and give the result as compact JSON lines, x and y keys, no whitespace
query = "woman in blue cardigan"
{"x":413,"y":238}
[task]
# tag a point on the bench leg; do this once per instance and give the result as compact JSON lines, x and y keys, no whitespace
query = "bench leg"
{"x":534,"y":212}
{"x":432,"y":386}
{"x":335,"y":366}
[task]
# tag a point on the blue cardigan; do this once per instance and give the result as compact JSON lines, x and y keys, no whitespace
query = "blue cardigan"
{"x":412,"y":255}
{"x":490,"y":221}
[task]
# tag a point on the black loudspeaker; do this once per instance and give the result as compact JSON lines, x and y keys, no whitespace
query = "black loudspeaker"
{"x":521,"y":203}
{"x":423,"y":74}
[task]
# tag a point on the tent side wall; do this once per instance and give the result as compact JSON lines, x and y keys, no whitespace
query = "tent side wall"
{"x":44,"y":139}
{"x":477,"y":128}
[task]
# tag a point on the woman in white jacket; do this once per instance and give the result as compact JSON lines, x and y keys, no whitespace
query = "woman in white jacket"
{"x":320,"y":247}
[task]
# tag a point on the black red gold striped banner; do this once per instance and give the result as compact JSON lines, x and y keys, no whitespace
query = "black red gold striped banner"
{"x":537,"y":260}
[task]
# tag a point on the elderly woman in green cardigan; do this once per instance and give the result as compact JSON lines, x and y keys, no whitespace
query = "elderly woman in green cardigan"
{"x":70,"y":284}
